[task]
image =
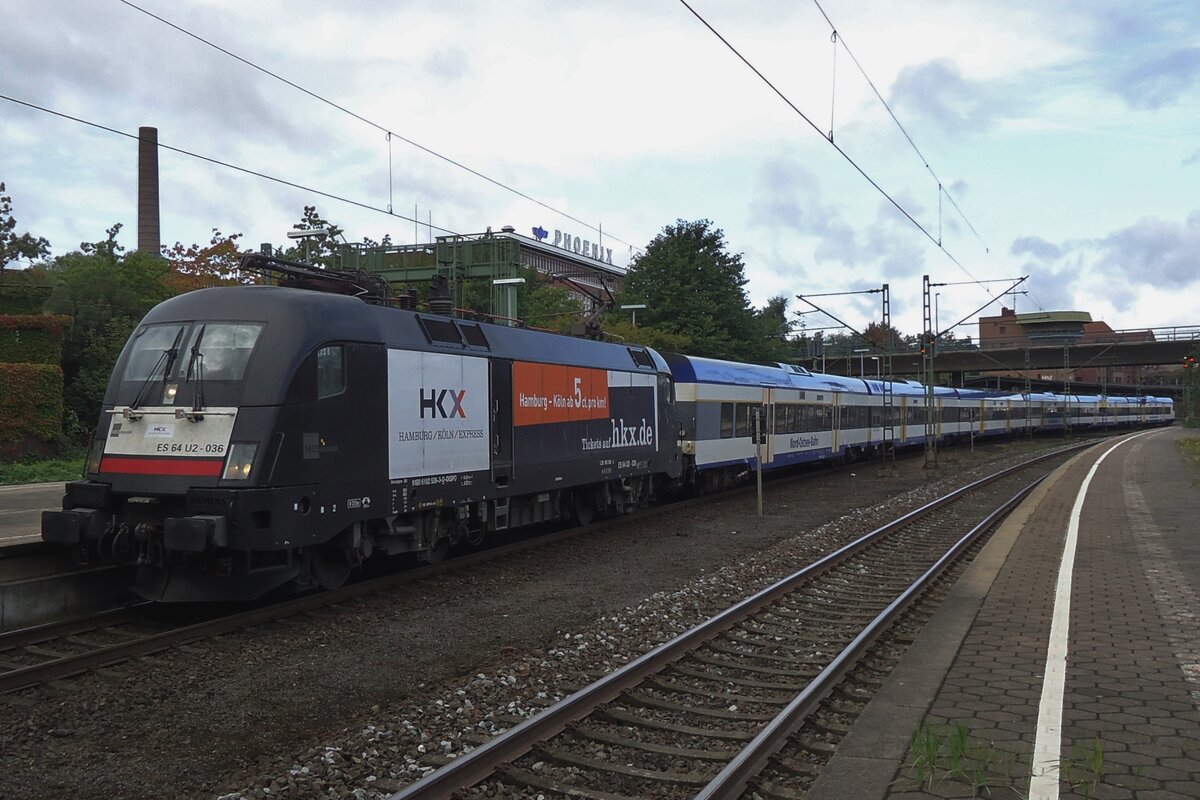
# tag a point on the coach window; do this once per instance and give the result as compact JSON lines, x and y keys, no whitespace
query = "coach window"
{"x":726,"y":420}
{"x":331,"y":371}
{"x":743,"y":420}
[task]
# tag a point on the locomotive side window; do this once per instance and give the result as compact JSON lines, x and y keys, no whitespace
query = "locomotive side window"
{"x":442,"y":331}
{"x":641,"y":358}
{"x":474,"y":335}
{"x":331,"y":371}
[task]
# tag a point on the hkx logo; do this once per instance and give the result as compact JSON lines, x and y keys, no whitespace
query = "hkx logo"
{"x":435,"y":403}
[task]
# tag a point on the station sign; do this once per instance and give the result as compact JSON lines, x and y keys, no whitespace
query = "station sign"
{"x":576,"y":245}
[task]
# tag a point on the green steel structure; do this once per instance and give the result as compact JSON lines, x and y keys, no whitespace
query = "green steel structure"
{"x":490,"y":256}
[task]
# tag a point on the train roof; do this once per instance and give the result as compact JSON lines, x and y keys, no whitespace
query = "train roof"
{"x":695,"y":369}
{"x":309,"y":318}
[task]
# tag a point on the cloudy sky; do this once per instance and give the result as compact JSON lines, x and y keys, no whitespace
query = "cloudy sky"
{"x":1067,"y":132}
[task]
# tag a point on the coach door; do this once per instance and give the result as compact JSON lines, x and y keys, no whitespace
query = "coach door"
{"x":766,"y":415}
{"x":502,"y":422}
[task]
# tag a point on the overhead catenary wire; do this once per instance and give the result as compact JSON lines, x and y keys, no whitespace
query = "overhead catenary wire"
{"x":389,"y":133}
{"x":828,"y":139}
{"x":838,"y":37}
{"x":226,"y":164}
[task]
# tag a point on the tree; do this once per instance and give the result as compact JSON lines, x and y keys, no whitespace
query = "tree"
{"x":15,"y":246}
{"x":107,"y":291}
{"x":775,"y":332}
{"x":625,"y":331}
{"x":540,"y":302}
{"x":884,"y":337}
{"x":202,"y":266}
{"x":320,"y":250}
{"x":692,"y":287}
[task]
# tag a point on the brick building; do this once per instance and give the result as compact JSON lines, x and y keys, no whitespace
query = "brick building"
{"x":1062,"y":329}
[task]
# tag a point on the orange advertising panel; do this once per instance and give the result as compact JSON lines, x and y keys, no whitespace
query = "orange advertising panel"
{"x":545,"y":393}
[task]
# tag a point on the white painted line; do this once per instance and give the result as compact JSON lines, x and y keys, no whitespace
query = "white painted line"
{"x":1047,"y":749}
{"x":12,"y":487}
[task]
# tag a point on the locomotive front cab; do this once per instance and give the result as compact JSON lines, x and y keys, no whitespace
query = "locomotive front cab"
{"x":226,"y":411}
{"x":167,"y":428}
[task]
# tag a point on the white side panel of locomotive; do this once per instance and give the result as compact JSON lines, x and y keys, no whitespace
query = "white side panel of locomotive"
{"x":438,"y":416}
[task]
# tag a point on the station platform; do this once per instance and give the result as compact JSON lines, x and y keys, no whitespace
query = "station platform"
{"x":1066,"y":660}
{"x":21,"y":512}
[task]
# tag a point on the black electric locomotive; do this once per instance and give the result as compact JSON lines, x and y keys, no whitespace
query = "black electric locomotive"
{"x":259,"y":436}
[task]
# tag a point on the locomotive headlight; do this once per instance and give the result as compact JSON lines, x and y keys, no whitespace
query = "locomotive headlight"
{"x":239,"y":462}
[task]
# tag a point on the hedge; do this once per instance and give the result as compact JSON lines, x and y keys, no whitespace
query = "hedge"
{"x":31,"y":402}
{"x":18,"y":299}
{"x":32,"y":339}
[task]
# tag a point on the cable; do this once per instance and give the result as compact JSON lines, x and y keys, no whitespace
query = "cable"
{"x":941,"y":189}
{"x":832,"y":144}
{"x":373,"y":124}
{"x":225,"y":164}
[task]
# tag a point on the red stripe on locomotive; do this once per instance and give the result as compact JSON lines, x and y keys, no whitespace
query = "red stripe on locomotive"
{"x":192,"y":467}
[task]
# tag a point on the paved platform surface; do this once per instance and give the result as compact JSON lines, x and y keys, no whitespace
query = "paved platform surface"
{"x":21,"y":511}
{"x":961,"y":714}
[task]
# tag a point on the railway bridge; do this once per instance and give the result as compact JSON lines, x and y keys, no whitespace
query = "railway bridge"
{"x":1018,"y":359}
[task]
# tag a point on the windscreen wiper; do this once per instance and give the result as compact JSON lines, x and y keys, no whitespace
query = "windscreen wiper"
{"x":197,"y":361}
{"x":168,"y":357}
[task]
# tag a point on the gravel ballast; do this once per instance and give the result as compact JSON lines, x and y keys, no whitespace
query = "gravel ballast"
{"x":361,"y":699}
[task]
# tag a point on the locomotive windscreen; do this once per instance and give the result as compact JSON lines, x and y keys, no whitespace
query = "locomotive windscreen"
{"x":164,"y":351}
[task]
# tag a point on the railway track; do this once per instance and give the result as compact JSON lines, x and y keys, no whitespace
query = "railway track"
{"x":704,"y":714}
{"x":61,"y":649}
{"x":30,"y":656}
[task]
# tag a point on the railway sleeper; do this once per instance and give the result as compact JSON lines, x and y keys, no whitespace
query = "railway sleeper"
{"x":737,"y":680}
{"x":776,"y":791}
{"x":570,"y":759}
{"x":809,"y":669}
{"x":683,"y":688}
{"x":636,"y":698}
{"x":531,"y":780}
{"x":584,"y":731}
{"x":619,"y":717}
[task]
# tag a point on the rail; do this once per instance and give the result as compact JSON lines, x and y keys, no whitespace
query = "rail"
{"x":484,"y":761}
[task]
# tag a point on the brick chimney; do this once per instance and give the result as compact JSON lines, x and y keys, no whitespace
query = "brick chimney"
{"x":148,"y":231}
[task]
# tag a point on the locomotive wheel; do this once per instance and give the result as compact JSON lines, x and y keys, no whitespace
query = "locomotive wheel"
{"x":584,"y":506}
{"x":435,"y":554}
{"x":329,"y":565}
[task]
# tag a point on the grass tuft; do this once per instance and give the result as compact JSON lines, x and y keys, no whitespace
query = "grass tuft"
{"x":49,"y":471}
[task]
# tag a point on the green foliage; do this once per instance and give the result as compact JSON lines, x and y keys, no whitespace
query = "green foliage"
{"x":15,"y":246}
{"x":21,"y":298}
{"x":45,"y":471}
{"x":624,"y":331}
{"x":107,"y":291}
{"x":322,"y":250}
{"x":695,"y":302}
{"x":540,"y":303}
{"x":202,"y":266}
{"x":692,"y":286}
{"x":951,"y":754}
{"x":32,"y":339}
{"x":31,"y":403}
{"x":1188,"y":408}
